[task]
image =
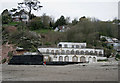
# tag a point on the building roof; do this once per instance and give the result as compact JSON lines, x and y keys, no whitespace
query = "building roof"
{"x":21,"y":49}
{"x":20,"y":13}
{"x":70,"y":43}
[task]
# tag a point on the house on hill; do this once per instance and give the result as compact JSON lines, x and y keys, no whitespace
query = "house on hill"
{"x":20,"y":16}
{"x":61,"y":28}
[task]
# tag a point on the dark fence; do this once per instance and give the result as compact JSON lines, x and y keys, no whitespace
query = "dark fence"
{"x":26,"y":60}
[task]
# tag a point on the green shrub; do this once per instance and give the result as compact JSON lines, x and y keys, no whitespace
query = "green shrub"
{"x":47,"y":43}
{"x":117,"y":56}
{"x":36,"y":24}
{"x":33,"y":49}
{"x":4,"y":60}
{"x":102,"y":60}
{"x":9,"y":59}
{"x":107,"y":52}
{"x":25,"y":39}
{"x":10,"y":54}
{"x":103,"y":39}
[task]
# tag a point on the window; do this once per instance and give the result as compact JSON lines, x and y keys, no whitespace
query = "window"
{"x":60,"y":45}
{"x":94,"y":59}
{"x":75,"y":59}
{"x":96,"y":52}
{"x":77,"y":52}
{"x":72,"y":52}
{"x":82,"y":59}
{"x":91,"y":52}
{"x":60,"y":58}
{"x":47,"y":51}
{"x":55,"y":56}
{"x":67,"y":52}
{"x":63,"y":52}
{"x":82,"y":52}
{"x":57,"y":52}
{"x":65,"y":46}
{"x":66,"y":59}
{"x":77,"y":46}
{"x":100,"y":53}
{"x":90,"y":59}
{"x":86,"y":53}
{"x":52,"y":51}
{"x":82,"y":46}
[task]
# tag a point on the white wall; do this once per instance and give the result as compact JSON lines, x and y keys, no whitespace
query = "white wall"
{"x":26,"y":19}
{"x":101,"y":58}
{"x":71,"y":56}
{"x":69,"y":44}
{"x":70,"y":49}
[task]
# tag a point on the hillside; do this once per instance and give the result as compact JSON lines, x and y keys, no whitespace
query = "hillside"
{"x":44,"y":32}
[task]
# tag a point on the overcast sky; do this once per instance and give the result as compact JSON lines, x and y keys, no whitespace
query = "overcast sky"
{"x":101,"y":9}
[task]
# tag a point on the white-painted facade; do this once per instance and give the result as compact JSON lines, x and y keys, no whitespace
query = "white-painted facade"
{"x":66,"y":53}
{"x":71,"y":45}
{"x":77,"y":51}
{"x":25,"y":17}
{"x":71,"y":58}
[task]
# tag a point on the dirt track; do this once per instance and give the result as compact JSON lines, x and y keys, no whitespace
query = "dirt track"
{"x":78,"y":72}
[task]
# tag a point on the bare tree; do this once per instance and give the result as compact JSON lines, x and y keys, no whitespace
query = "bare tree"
{"x":30,"y":5}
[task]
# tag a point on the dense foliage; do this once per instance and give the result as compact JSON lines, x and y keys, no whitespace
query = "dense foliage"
{"x":89,"y":31}
{"x":83,"y":30}
{"x":35,"y":24}
{"x":61,"y":21}
{"x":6,"y":18}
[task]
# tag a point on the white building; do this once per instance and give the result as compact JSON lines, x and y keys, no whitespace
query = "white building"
{"x":30,"y":53}
{"x":22,"y":15}
{"x":71,"y":45}
{"x":67,"y":53}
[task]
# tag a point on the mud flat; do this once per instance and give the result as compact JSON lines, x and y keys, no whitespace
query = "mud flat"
{"x":79,"y":72}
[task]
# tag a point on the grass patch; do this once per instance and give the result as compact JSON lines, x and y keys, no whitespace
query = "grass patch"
{"x":11,"y":24}
{"x":47,"y":43}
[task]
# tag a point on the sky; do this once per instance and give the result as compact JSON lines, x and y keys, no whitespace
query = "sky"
{"x":101,"y":9}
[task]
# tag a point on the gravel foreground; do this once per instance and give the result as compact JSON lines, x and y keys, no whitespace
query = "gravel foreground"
{"x":78,"y":72}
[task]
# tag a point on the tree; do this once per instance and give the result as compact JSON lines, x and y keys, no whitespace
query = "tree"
{"x":30,"y":5}
{"x":45,"y":19}
{"x":84,"y":19}
{"x":61,"y":21}
{"x":118,"y":56}
{"x":74,"y":22}
{"x":6,"y":17}
{"x":36,"y":24}
{"x":116,"y":21}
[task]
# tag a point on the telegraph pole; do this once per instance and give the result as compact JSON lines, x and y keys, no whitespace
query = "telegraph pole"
{"x":119,"y":19}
